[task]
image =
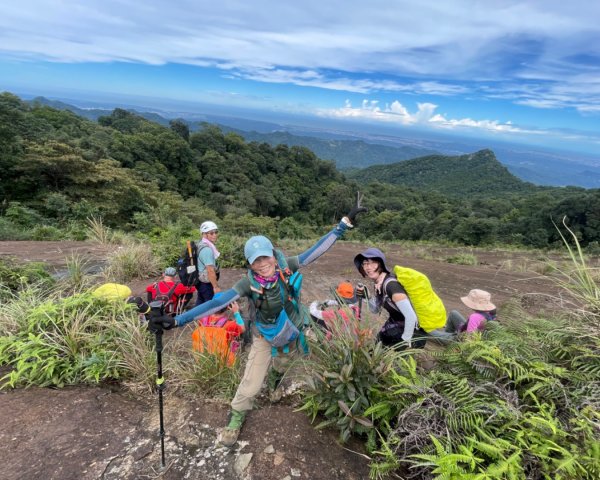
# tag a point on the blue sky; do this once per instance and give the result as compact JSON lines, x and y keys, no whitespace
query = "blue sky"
{"x":524,"y":71}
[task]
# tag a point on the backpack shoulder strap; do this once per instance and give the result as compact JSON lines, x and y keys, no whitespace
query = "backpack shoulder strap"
{"x":386,"y":297}
{"x":172,"y":290}
{"x":386,"y":282}
{"x":200,"y":245}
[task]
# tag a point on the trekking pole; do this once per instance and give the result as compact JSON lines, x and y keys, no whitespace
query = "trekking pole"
{"x":157,"y":308}
{"x":360,"y":288}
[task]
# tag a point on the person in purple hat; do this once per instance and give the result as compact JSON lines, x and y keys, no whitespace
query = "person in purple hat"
{"x":401,"y":328}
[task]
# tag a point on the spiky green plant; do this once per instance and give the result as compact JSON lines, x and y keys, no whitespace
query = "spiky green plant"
{"x":345,"y":367}
{"x":132,"y":260}
{"x":77,"y":277}
{"x":17,"y":306}
{"x":204,"y":373}
{"x":98,"y":231}
{"x":580,"y":280}
{"x":463,"y":259}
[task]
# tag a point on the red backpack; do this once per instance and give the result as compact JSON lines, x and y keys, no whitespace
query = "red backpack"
{"x":165,"y":296}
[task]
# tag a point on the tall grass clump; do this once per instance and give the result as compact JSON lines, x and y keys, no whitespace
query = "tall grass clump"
{"x":74,"y":340}
{"x":15,"y":276}
{"x":97,"y":231}
{"x":202,"y":373}
{"x":580,"y":280}
{"x":463,"y":259}
{"x":132,"y":260}
{"x":77,"y":277}
{"x":15,"y":308}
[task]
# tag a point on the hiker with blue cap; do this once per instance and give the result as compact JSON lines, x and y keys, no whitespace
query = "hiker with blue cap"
{"x":272,"y":285}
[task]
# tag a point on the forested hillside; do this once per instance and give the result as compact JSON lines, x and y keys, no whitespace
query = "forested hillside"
{"x":59,"y":169}
{"x":345,"y":153}
{"x":479,"y":173}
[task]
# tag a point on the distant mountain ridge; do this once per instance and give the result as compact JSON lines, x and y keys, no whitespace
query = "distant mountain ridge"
{"x":95,"y":113}
{"x":345,"y":153}
{"x":476,"y":174}
{"x":352,"y":151}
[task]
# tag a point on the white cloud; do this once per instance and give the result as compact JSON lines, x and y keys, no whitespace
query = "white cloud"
{"x":424,"y":116}
{"x":445,"y":48}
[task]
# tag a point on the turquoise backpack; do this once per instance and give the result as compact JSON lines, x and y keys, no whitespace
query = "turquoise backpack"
{"x":281,"y":332}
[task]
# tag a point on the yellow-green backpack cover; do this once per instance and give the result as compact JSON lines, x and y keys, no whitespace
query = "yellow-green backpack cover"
{"x":112,"y":291}
{"x":429,"y":308}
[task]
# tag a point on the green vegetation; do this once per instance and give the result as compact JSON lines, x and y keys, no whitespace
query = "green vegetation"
{"x":475,"y":174}
{"x":124,"y":172}
{"x":65,"y":341}
{"x":463,"y":259}
{"x":346,"y":153}
{"x":15,"y":276}
{"x":519,"y":401}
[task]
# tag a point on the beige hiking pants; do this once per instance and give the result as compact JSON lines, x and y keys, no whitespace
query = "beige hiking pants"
{"x":257,"y":367}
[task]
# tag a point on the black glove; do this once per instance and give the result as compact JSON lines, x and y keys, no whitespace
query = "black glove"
{"x":157,"y":323}
{"x":362,"y":291}
{"x":358,"y":208}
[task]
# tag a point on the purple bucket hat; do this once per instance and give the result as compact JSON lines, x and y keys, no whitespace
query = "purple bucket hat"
{"x":370,"y":253}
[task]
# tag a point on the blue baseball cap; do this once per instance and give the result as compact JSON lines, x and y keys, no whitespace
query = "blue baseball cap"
{"x":258,"y":246}
{"x":170,"y":271}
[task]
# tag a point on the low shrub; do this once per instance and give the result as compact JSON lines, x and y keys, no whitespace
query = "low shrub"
{"x":14,"y":275}
{"x":346,"y":367}
{"x":203,"y":373}
{"x":463,"y":259}
{"x":74,"y":340}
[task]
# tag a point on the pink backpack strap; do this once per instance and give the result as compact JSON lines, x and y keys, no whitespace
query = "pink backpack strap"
{"x":205,"y":321}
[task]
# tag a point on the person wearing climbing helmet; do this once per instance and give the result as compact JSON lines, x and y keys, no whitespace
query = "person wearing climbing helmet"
{"x":208,"y":264}
{"x":271,"y":285}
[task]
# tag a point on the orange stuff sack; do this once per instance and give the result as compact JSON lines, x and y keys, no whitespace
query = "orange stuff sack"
{"x":212,"y":337}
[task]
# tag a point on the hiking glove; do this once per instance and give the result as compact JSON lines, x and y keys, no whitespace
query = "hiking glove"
{"x":161,"y":322}
{"x":362,"y":291}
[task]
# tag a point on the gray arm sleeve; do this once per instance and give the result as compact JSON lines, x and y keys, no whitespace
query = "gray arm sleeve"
{"x":410,"y":318}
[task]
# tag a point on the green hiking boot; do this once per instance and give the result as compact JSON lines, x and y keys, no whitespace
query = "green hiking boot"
{"x":274,"y":383}
{"x":230,"y":433}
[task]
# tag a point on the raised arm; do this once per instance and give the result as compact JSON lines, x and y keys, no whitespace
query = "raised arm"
{"x":327,"y":241}
{"x":324,"y":243}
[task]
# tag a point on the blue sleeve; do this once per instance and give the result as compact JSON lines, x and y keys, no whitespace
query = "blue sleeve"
{"x":238,"y":319}
{"x":322,"y":245}
{"x":206,"y":257}
{"x":207,"y":308}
